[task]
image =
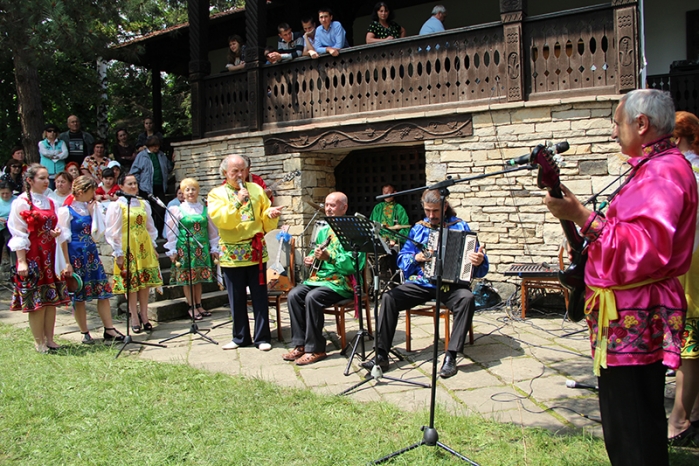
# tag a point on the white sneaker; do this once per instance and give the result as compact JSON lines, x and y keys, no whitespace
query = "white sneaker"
{"x":231,"y":345}
{"x":264,"y":347}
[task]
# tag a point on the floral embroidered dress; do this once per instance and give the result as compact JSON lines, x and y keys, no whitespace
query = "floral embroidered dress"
{"x":80,"y":230}
{"x":638,"y":251}
{"x":242,"y":240}
{"x":194,"y":217}
{"x":335,"y":273}
{"x":144,"y":269}
{"x":31,"y":225}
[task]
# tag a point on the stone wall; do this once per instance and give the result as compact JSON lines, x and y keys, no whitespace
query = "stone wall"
{"x":506,"y":210}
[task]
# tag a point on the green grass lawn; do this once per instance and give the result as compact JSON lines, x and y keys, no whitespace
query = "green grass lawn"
{"x":81,"y":406}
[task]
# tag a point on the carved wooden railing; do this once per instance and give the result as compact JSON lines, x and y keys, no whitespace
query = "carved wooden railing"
{"x":408,"y":73}
{"x":585,"y":51}
{"x":571,"y":53}
{"x":658,"y":81}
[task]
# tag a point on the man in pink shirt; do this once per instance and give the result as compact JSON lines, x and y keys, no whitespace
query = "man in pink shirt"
{"x":635,"y":305}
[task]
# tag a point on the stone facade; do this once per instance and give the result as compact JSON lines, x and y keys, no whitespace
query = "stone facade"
{"x":506,"y":210}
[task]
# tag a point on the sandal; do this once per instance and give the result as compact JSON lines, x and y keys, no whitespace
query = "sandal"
{"x":148,"y":327}
{"x":136,"y":328}
{"x":193,"y":314}
{"x":203,"y":311}
{"x":108,"y":337}
{"x":684,"y":438}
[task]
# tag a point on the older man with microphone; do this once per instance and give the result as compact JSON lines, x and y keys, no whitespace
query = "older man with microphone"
{"x":243,"y":213}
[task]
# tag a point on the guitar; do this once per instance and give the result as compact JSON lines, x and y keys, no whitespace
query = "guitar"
{"x":288,"y":177}
{"x":316,"y":262}
{"x":277,"y":276}
{"x":573,"y":277}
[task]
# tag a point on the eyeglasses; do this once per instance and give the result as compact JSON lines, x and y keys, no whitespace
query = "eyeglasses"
{"x":51,"y":131}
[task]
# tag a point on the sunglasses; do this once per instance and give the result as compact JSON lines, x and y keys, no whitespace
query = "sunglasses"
{"x":51,"y":131}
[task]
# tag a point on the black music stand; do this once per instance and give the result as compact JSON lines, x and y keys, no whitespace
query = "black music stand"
{"x":361,"y":234}
{"x":128,"y":340}
{"x":356,"y":234}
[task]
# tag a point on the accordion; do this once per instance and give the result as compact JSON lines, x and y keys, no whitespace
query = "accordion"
{"x":455,"y":248}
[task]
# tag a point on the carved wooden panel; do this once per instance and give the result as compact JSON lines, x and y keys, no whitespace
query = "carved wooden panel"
{"x":362,"y":174}
{"x":575,"y":52}
{"x":384,"y":133}
{"x":627,"y":48}
{"x":227,"y":102}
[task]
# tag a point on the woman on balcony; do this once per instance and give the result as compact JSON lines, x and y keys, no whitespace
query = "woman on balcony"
{"x":383,"y":27}
{"x":236,"y":53}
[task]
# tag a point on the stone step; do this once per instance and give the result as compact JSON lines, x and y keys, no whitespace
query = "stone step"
{"x":173,"y":309}
{"x":176,"y":292}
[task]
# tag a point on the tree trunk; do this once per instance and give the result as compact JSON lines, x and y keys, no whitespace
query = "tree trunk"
{"x":31,"y":112}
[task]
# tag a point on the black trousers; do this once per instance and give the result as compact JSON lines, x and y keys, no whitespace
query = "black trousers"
{"x":631,"y":400}
{"x":237,"y":278}
{"x":158,"y":212}
{"x":458,"y":299}
{"x":306,"y":304}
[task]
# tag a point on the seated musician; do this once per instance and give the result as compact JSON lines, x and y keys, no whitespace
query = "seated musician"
{"x":328,"y":284}
{"x":418,"y":288}
{"x":389,"y":213}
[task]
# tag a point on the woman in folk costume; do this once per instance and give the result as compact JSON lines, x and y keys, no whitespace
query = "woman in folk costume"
{"x":82,"y":223}
{"x":683,"y":423}
{"x":139,"y":242}
{"x":38,"y":287}
{"x":192,"y":215}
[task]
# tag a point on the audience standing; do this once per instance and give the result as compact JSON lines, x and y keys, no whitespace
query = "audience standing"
{"x":436,"y":21}
{"x":236,"y":53}
{"x":64,"y":185}
{"x":13,"y":176}
{"x":382,"y":27}
{"x":309,"y":34}
{"x":330,"y":35}
{"x":95,"y":163}
{"x":289,"y":45}
{"x":152,"y":169}
{"x":6,"y":198}
{"x":149,"y":130}
{"x":123,"y":151}
{"x":53,"y":153}
{"x":79,"y":142}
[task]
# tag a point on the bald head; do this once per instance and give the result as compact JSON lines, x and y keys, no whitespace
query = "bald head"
{"x":234,"y":168}
{"x":335,"y":204}
{"x":74,"y":123}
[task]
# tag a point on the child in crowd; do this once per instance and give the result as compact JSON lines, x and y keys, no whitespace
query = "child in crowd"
{"x":107,"y":192}
{"x":81,"y":224}
{"x":141,"y":271}
{"x":116,"y":168}
{"x":6,"y":198}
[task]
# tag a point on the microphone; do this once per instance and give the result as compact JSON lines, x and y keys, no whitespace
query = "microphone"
{"x":574,"y":384}
{"x":558,"y":148}
{"x":121,"y":193}
{"x":357,"y":214}
{"x":242,"y":186}
{"x":152,"y":198}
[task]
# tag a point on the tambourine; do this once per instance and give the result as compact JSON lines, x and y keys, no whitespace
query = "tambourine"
{"x":74,"y":283}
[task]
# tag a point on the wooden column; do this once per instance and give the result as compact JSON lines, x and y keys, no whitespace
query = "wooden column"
{"x":626,"y":37}
{"x":157,"y":97}
{"x":512,"y":13}
{"x":199,"y":66}
{"x":255,"y":41}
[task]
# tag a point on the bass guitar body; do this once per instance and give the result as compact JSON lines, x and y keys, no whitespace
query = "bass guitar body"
{"x":573,"y":277}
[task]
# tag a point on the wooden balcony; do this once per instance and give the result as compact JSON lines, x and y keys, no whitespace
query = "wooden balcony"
{"x":586,"y":51}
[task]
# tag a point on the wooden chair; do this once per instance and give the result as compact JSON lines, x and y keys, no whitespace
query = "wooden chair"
{"x":278,"y":293}
{"x":341,"y":308}
{"x":543,"y":283}
{"x":428,"y":310}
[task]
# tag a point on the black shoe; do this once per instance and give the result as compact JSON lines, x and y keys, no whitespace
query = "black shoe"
{"x":369,"y":364}
{"x":87,"y":339}
{"x":448,"y":368}
{"x":108,"y":337}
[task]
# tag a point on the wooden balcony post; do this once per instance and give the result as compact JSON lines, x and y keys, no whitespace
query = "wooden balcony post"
{"x":512,"y":12}
{"x":255,"y":29}
{"x":199,"y":66}
{"x":626,"y":36}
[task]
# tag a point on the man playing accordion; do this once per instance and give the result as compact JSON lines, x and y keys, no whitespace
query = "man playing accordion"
{"x":418,"y":288}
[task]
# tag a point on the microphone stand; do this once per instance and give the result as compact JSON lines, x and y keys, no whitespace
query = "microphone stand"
{"x":430,"y":435}
{"x":303,"y":247}
{"x":128,"y":339}
{"x":194,"y":328}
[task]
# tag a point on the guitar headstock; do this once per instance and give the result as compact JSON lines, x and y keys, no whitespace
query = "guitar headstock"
{"x":548,"y":176}
{"x":291,"y":175}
